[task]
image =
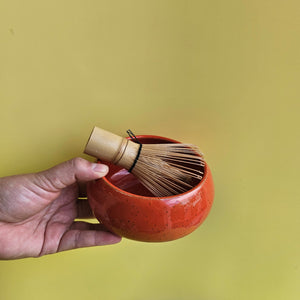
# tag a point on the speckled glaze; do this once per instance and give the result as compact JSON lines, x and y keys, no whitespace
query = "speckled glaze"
{"x":127,"y":209}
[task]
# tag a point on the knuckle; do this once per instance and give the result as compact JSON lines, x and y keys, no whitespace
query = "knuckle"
{"x":78,"y":163}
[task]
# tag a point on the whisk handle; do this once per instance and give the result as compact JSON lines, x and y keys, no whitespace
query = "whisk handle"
{"x":112,"y":148}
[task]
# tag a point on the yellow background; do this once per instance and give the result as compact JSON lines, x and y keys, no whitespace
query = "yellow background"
{"x":220,"y":74}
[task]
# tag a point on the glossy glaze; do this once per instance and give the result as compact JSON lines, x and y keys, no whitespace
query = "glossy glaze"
{"x":125,"y":207}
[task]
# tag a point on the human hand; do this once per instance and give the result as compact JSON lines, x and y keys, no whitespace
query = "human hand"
{"x":37,"y":211}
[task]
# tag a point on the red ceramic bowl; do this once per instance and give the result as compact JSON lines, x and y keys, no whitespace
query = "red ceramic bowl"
{"x":126,"y":208}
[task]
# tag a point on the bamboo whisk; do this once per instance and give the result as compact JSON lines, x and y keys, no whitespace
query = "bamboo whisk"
{"x":164,"y":169}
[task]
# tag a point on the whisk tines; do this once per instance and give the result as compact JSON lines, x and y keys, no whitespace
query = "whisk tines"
{"x":168,"y":169}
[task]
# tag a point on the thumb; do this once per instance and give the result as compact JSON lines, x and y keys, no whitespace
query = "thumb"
{"x":69,"y":172}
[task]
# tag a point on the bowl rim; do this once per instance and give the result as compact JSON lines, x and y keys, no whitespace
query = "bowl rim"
{"x":197,"y":186}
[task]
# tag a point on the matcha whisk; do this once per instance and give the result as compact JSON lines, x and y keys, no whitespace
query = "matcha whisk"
{"x":164,"y":169}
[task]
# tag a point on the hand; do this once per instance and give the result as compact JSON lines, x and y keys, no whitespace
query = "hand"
{"x":37,"y":211}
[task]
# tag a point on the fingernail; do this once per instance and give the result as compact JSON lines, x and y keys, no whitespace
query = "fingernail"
{"x":100,"y":168}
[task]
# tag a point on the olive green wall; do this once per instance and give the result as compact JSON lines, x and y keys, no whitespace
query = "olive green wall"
{"x":220,"y":74}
